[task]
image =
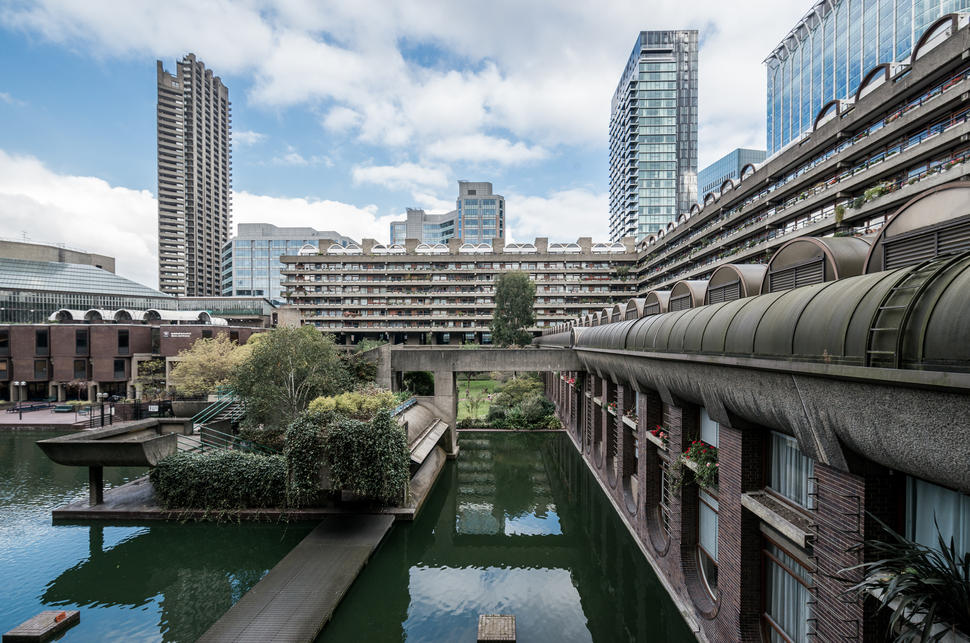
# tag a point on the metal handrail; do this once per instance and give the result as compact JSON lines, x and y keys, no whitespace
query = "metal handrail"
{"x":226,"y":441}
{"x":225,"y":397}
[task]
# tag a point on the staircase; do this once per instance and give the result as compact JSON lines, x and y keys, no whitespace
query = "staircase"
{"x":204,"y":438}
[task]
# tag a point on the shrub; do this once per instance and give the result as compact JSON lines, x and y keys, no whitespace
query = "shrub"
{"x":536,"y":408}
{"x":369,"y":458}
{"x":271,"y":437}
{"x":495,"y":412}
{"x":220,"y":480}
{"x":362,"y":403}
{"x":304,"y":454}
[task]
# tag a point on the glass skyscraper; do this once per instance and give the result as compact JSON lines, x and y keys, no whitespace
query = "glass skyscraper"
{"x":831,"y":49}
{"x":653,"y":134}
{"x":712,"y":177}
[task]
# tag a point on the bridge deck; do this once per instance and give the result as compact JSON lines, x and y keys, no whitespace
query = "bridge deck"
{"x":298,"y":596}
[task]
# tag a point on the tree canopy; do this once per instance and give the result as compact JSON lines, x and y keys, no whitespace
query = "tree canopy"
{"x":285,"y":370}
{"x":514,"y":309}
{"x":207,"y":365}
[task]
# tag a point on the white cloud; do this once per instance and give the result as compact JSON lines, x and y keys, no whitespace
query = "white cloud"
{"x":82,"y":212}
{"x":563,"y":216}
{"x":411,"y":74}
{"x":406,"y":176}
{"x":10,"y":100}
{"x":348,"y":220}
{"x":479,"y":148}
{"x":292,"y":157}
{"x":248,"y":137}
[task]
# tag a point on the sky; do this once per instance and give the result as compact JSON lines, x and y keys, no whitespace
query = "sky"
{"x":344,"y":114}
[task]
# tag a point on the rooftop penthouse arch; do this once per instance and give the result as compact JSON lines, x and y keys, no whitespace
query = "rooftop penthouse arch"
{"x":937,"y":32}
{"x":709,"y":198}
{"x":475,"y":249}
{"x":829,"y":111}
{"x":813,"y":260}
{"x":727,"y":186}
{"x":748,"y":170}
{"x":735,"y":281}
{"x":521,"y":248}
{"x":564,"y":248}
{"x":618,"y":313}
{"x":431,"y":249}
{"x":66,"y":315}
{"x":932,"y":224}
{"x":873,"y":79}
{"x":307,"y":250}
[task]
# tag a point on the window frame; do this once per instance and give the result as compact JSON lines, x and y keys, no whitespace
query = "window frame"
{"x":768,"y":623}
{"x":701,"y":550}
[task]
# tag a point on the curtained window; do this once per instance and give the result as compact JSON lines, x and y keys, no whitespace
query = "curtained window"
{"x":707,"y":538}
{"x":709,"y":429}
{"x":790,"y":470}
{"x":926,"y":502}
{"x":787,"y":596}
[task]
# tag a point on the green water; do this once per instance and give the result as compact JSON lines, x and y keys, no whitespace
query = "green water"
{"x":151,"y":581}
{"x":517,"y":525}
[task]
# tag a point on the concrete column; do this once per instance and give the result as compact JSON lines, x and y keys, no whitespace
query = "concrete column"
{"x":446,"y":399}
{"x":61,"y":393}
{"x":95,"y":486}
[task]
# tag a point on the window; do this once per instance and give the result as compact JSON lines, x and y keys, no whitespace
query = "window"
{"x":787,"y":593}
{"x":122,"y":342}
{"x":929,"y":505}
{"x":40,"y":369}
{"x":663,"y":508}
{"x":709,"y":429}
{"x":81,"y":341}
{"x":156,"y":341}
{"x":4,"y":342}
{"x":234,"y":336}
{"x":707,"y":538}
{"x":790,"y":472}
{"x":41,"y":342}
{"x":3,"y":370}
{"x":80,"y":369}
{"x":119,"y":369}
{"x":207,"y":334}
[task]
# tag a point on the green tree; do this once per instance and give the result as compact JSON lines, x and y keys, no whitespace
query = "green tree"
{"x":514,"y":309}
{"x":284,"y":371}
{"x":205,"y":366}
{"x":151,"y":377}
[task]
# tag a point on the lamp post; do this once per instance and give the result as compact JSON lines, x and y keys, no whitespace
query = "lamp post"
{"x":20,"y":398}
{"x":102,"y":397}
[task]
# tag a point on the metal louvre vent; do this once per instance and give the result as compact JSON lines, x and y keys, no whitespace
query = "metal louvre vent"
{"x":953,"y":239}
{"x":803,"y":274}
{"x":910,"y":251}
{"x":679,"y":303}
{"x":652,"y":309}
{"x":727,"y":292}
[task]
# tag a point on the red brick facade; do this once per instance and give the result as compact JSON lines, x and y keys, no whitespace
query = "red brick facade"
{"x":736,"y":612}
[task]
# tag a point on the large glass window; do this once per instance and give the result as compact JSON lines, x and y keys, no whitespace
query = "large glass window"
{"x":4,"y":342}
{"x":119,"y":369}
{"x":787,"y":595}
{"x":709,"y":428}
{"x":81,"y":341}
{"x":40,"y":369}
{"x":929,"y":505}
{"x":664,"y":506}
{"x":122,"y":342}
{"x":41,"y":342}
{"x":80,"y":369}
{"x":707,"y":519}
{"x":790,"y":472}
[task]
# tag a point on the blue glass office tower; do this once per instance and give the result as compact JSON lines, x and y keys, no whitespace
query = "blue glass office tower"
{"x":831,"y":49}
{"x":712,"y":177}
{"x":653,"y":134}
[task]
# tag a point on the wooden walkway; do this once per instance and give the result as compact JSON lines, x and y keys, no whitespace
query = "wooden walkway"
{"x":297,"y":597}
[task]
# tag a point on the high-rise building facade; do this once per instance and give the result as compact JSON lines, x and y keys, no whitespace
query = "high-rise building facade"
{"x":653,"y":135}
{"x":478,"y":217}
{"x":194,"y":178}
{"x":712,"y":177}
{"x":251,"y":259}
{"x":830,"y":51}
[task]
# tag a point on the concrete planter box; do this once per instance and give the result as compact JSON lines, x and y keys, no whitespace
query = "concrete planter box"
{"x":188,"y":409}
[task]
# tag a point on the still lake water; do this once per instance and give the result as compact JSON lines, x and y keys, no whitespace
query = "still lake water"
{"x":517,"y":525}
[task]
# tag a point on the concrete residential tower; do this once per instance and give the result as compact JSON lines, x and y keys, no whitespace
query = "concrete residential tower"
{"x":194,"y":178}
{"x":653,"y":135}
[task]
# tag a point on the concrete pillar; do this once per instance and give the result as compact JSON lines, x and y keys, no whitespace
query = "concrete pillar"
{"x":446,"y":399}
{"x":92,"y":391}
{"x":95,"y":486}
{"x":61,"y":393}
